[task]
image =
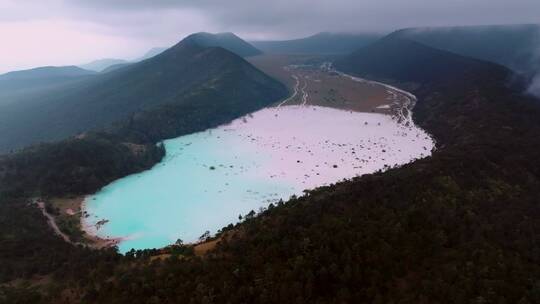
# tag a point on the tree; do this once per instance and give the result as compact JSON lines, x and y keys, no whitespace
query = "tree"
{"x":205,"y":236}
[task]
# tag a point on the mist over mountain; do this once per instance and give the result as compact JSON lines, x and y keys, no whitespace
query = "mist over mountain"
{"x":321,"y":43}
{"x":534,"y":87}
{"x":101,"y":64}
{"x":393,"y":59}
{"x":151,"y":53}
{"x":514,"y":46}
{"x":186,"y":72}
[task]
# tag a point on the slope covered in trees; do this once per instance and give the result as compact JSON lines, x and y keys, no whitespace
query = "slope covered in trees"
{"x":169,"y":78}
{"x":458,"y":227}
{"x":399,"y":60}
{"x":514,"y":46}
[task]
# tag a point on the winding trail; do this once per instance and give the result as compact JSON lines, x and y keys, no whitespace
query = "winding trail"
{"x":404,"y":112}
{"x":305,"y":95}
{"x":296,"y":86}
{"x":51,"y":221}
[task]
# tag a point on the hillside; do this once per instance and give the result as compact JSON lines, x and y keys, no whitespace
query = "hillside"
{"x":18,"y":85}
{"x":46,"y":72}
{"x":514,"y":46}
{"x":458,"y":227}
{"x":400,"y":60}
{"x":318,"y":44}
{"x":183,"y":74}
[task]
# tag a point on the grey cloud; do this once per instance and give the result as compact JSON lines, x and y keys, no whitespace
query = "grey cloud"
{"x":299,"y":17}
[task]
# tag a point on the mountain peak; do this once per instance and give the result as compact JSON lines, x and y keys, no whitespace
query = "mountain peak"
{"x":226,"y":40}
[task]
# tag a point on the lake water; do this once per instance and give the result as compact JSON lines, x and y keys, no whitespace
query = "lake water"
{"x":207,"y":179}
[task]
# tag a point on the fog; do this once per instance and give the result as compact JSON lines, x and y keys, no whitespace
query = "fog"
{"x":61,"y":32}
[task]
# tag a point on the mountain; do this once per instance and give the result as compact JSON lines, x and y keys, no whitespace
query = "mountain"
{"x":46,"y":72}
{"x":460,"y":226}
{"x":393,"y":59}
{"x":115,"y":67}
{"x":514,"y":46}
{"x":227,"y":41}
{"x":212,"y":83}
{"x":102,"y":64}
{"x":151,"y":53}
{"x":322,"y":43}
{"x":23,"y":84}
{"x":107,"y":65}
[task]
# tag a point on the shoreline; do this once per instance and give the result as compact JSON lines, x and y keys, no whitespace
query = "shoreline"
{"x":90,"y":232}
{"x":402,"y":104}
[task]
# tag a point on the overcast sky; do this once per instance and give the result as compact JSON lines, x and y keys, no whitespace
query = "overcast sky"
{"x":61,"y":32}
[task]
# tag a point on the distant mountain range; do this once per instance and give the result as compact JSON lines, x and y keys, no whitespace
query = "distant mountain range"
{"x":151,"y":53}
{"x":193,"y":73}
{"x":393,"y":59}
{"x":514,"y":46}
{"x":23,"y":84}
{"x":105,"y":65}
{"x":227,"y":41}
{"x":102,"y":64}
{"x":46,"y":72}
{"x":322,"y":43}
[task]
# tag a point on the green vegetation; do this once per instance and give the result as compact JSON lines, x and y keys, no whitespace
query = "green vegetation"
{"x":73,"y":166}
{"x":459,"y":227}
{"x":166,"y":80}
{"x":514,"y":46}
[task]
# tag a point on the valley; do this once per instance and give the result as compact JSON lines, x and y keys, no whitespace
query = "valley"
{"x":355,"y":168}
{"x":313,"y":83}
{"x":305,"y":141}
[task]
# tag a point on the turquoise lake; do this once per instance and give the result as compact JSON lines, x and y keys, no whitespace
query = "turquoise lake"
{"x":207,"y":179}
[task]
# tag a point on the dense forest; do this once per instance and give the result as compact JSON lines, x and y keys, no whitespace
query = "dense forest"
{"x":461,"y":226}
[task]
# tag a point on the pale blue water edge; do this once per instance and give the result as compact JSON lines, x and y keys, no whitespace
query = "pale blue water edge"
{"x":206,"y":180}
{"x":182,"y":197}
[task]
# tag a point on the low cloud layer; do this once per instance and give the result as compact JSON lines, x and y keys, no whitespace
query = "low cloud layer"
{"x":126,"y":28}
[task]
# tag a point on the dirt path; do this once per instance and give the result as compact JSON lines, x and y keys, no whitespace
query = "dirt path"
{"x":92,"y":241}
{"x":305,"y":94}
{"x":51,"y":221}
{"x":403,"y":100}
{"x":296,"y":85}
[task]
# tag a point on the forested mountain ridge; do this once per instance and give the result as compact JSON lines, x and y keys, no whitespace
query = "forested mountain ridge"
{"x":458,"y":227}
{"x":114,"y":96}
{"x":46,"y":72}
{"x":401,"y":60}
{"x":514,"y":46}
{"x":22,"y":85}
